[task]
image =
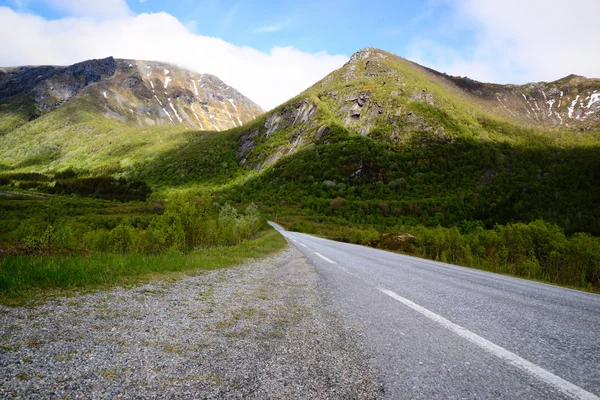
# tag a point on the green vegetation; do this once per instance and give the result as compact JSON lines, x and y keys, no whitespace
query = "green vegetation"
{"x":81,"y":137}
{"x":418,"y":166}
{"x":431,"y":183}
{"x":23,"y":278}
{"x":65,"y":243}
{"x":537,"y":250}
{"x":185,"y":223}
{"x":15,"y":113}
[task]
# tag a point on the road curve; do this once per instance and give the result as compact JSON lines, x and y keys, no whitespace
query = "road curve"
{"x":439,"y":331}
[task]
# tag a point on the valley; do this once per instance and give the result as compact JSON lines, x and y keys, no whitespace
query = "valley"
{"x":134,"y":200}
{"x":299,"y":200}
{"x":380,"y":148}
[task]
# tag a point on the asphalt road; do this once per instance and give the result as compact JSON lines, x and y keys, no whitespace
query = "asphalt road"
{"x":439,"y":331}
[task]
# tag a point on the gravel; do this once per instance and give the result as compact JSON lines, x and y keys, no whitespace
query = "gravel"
{"x":255,"y":331}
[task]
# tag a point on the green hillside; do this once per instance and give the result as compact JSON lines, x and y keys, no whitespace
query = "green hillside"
{"x":380,"y":147}
{"x":404,"y":146}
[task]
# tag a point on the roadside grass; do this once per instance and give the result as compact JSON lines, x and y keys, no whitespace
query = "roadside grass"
{"x":30,"y":278}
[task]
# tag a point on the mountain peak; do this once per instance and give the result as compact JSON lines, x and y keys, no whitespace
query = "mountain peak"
{"x":367,"y":52}
{"x":572,"y":79}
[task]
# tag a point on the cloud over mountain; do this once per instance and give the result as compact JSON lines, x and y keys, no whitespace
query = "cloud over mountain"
{"x":268,"y":78}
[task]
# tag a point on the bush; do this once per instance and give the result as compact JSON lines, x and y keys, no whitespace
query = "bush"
{"x":582,"y":264}
{"x":170,"y":228}
{"x":336,"y":203}
{"x":39,"y":242}
{"x":303,"y":227}
{"x":254,"y":220}
{"x":368,"y":236}
{"x":150,"y":241}
{"x":103,"y":187}
{"x":538,"y":250}
{"x":188,"y":223}
{"x":121,"y":239}
{"x":97,"y":240}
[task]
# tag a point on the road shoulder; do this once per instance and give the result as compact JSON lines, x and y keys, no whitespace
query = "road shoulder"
{"x":254,"y":331}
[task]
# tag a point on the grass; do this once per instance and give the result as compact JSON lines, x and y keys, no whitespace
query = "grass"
{"x":27,"y":278}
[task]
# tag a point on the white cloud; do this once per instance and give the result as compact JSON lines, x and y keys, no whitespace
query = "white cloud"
{"x":269,"y":28}
{"x":452,"y":61}
{"x":519,"y":41}
{"x":91,"y":8}
{"x":267,"y":78}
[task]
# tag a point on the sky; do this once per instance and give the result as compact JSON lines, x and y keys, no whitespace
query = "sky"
{"x":272,"y":50}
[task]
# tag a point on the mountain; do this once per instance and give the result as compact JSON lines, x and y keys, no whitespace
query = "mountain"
{"x":144,"y":92}
{"x":388,"y":98}
{"x":571,"y":103}
{"x":386,"y":142}
{"x":381,"y":142}
{"x":108,"y":114}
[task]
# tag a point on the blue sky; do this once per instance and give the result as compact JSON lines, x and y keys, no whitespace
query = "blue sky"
{"x":335,"y":26}
{"x":271,"y":50}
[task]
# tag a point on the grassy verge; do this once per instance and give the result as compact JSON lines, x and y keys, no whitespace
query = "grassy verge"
{"x":26,"y":278}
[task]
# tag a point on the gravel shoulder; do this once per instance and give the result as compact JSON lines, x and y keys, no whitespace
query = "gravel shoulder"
{"x":259,"y":330}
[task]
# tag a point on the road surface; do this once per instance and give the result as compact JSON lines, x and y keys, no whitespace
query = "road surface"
{"x":438,"y":331}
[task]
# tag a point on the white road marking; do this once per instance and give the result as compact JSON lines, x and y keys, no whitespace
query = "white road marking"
{"x":564,"y":386}
{"x":325,"y":258}
{"x":303,"y":245}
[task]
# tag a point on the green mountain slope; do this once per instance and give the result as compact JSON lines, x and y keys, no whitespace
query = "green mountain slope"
{"x":388,"y":98}
{"x":102,"y":113}
{"x":402,"y":145}
{"x":382,"y":142}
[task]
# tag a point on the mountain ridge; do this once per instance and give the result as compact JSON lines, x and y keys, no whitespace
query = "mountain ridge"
{"x":528,"y":112}
{"x":156,"y":93}
{"x":382,"y":95}
{"x":391,"y":142}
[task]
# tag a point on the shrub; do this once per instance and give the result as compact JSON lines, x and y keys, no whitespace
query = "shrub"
{"x":368,"y":236}
{"x":538,"y":250}
{"x":228,"y":225}
{"x":170,"y":227}
{"x":121,"y":239}
{"x":150,"y":241}
{"x":253,"y":217}
{"x":39,"y":242}
{"x":582,"y":266}
{"x":97,"y":240}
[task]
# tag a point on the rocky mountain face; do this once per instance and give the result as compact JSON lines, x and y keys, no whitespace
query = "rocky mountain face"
{"x":388,"y":98}
{"x":146,"y":93}
{"x":570,"y":103}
